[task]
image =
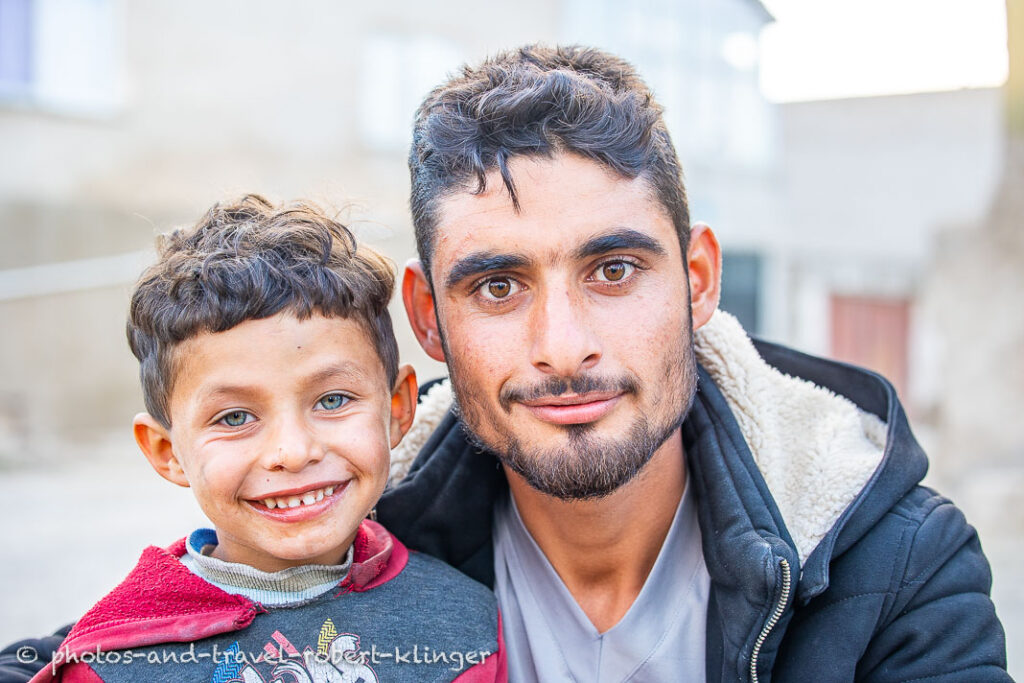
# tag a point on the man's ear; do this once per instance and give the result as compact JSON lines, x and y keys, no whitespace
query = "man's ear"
{"x":155,"y":443}
{"x":704,"y":262}
{"x":418,"y":297}
{"x":403,"y":403}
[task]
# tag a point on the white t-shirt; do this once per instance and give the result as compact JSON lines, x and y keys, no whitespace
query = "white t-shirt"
{"x":548,"y":637}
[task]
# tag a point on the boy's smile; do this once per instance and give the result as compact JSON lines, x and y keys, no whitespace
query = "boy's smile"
{"x":282,"y":428}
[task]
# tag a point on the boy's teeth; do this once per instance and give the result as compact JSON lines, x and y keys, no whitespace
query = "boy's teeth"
{"x":307,"y":498}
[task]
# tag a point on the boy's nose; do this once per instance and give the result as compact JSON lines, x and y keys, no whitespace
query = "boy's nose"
{"x":293,"y":447}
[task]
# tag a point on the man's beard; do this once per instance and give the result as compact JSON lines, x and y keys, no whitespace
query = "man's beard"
{"x":588,"y":466}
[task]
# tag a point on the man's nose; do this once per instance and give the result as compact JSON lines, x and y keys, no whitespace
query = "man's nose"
{"x":292,"y":445}
{"x":563,"y":338}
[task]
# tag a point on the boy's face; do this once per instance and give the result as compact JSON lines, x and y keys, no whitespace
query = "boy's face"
{"x":282,"y":428}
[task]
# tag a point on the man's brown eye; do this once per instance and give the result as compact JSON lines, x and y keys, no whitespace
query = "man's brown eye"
{"x":616,"y":270}
{"x":499,"y":289}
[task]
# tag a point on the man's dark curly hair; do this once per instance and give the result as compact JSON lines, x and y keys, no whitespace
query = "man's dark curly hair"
{"x":539,"y":101}
{"x":249,"y":260}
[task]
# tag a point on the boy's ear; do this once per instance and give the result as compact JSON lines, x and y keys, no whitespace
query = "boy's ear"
{"x":155,"y":443}
{"x":403,"y":403}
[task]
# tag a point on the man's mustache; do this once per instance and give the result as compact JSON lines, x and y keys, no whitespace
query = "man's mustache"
{"x":556,"y":386}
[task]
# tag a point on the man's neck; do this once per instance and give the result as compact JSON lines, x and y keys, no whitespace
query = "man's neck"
{"x":604,"y":549}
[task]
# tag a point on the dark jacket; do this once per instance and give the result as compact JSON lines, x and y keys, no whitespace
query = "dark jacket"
{"x":897,"y":590}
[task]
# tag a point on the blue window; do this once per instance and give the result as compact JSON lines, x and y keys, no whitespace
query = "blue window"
{"x":15,"y":46}
{"x":741,"y":288}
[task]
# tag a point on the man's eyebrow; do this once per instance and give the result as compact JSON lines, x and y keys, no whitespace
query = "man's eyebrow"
{"x":618,"y":240}
{"x":482,"y":262}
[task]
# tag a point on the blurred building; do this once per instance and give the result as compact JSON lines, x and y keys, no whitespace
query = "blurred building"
{"x":973,"y":296}
{"x":869,"y":184}
{"x":120,"y":120}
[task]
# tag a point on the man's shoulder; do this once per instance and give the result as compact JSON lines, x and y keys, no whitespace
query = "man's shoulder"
{"x":900,"y":597}
{"x":933,"y":530}
{"x":922,"y":540}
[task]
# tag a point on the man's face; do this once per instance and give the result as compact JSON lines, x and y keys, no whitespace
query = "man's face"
{"x":567,"y":324}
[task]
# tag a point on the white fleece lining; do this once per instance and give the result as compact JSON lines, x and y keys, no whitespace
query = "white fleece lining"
{"x":816,"y":450}
{"x":429,"y":413}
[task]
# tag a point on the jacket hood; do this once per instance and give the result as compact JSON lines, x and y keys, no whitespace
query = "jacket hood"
{"x":817,"y":450}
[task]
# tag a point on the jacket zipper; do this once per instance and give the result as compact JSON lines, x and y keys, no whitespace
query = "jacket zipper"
{"x":780,"y":607}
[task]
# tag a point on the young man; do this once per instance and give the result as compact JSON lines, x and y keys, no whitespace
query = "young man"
{"x":652,"y":495}
{"x":673,"y":502}
{"x":270,"y":373}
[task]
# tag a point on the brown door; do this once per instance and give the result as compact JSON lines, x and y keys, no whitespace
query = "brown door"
{"x":872,"y":332}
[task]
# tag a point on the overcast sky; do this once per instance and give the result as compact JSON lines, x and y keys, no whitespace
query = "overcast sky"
{"x":841,"y":48}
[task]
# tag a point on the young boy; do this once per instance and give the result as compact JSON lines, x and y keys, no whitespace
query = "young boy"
{"x":270,"y":374}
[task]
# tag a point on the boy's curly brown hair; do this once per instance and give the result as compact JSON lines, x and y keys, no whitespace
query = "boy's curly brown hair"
{"x":248,"y":260}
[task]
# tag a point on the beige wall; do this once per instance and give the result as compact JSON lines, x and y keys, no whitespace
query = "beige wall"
{"x":217,"y":99}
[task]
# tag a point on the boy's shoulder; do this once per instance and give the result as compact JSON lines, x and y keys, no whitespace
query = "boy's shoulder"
{"x":430,"y":594}
{"x":160,"y":588}
{"x":438,"y":588}
{"x":398,"y":615}
{"x":429,"y":569}
{"x":159,"y":601}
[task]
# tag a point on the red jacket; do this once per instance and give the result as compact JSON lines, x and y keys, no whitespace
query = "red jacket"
{"x":162,"y":601}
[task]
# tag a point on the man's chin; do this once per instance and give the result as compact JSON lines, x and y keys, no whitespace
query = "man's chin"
{"x":580,"y":464}
{"x":568,"y":488}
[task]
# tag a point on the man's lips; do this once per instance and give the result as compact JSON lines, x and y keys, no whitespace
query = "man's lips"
{"x":568,"y":409}
{"x":299,"y":503}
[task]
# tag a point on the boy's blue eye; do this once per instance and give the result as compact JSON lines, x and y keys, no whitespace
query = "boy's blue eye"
{"x":333,"y":401}
{"x":236,"y":418}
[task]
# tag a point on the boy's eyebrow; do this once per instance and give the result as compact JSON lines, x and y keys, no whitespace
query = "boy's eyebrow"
{"x":624,"y":238}
{"x":345,"y":369}
{"x":482,"y":262}
{"x":219,"y":391}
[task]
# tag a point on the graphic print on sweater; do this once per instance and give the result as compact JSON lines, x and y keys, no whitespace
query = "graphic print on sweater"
{"x":337,"y":659}
{"x":428,"y":623}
